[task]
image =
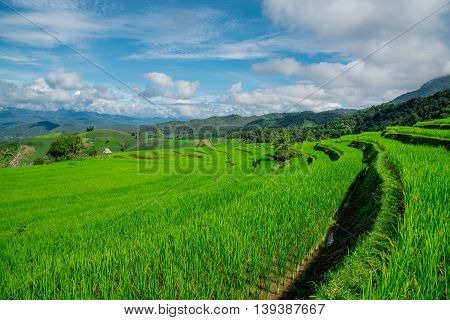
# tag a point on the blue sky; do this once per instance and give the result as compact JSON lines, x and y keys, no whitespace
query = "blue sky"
{"x":204,"y":58}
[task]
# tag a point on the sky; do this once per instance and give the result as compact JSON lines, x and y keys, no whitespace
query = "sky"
{"x":196,"y":59}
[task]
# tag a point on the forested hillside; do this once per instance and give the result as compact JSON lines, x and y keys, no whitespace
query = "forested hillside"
{"x":375,"y":118}
{"x":233,"y":124}
{"x":427,"y":89}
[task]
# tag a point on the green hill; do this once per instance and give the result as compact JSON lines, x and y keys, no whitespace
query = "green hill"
{"x":428,"y":89}
{"x":220,"y":126}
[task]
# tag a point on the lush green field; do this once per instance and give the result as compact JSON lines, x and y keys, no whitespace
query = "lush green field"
{"x":227,"y":221}
{"x":215,"y":226}
{"x":406,"y":254}
{"x":418,"y":266}
{"x":433,"y":133}
{"x":115,"y":140}
{"x":438,"y":123}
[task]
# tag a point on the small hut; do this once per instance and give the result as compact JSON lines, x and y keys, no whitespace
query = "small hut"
{"x":106,"y":151}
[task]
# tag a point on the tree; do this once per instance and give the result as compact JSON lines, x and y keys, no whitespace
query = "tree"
{"x":66,"y":147}
{"x":123,"y":146}
{"x":282,"y":146}
{"x":90,"y":128}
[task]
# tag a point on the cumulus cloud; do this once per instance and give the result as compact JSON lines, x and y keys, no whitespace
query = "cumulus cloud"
{"x":166,"y":87}
{"x":235,"y":88}
{"x":352,"y":18}
{"x":162,"y":80}
{"x":281,"y":98}
{"x":400,"y":68}
{"x":56,"y":90}
{"x":346,"y":29}
{"x":63,"y":80}
{"x":64,"y":90}
{"x":355,"y":28}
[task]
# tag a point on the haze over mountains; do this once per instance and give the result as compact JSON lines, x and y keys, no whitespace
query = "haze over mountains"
{"x":16,"y":123}
{"x":428,"y":89}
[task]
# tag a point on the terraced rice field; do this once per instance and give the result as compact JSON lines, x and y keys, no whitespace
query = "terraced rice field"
{"x":435,"y":124}
{"x":114,"y":228}
{"x":417,"y":131}
{"x":228,"y":222}
{"x":405,"y":256}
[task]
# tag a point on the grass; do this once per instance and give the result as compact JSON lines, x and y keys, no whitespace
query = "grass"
{"x":214,"y":227}
{"x":226,"y":222}
{"x":423,"y":132}
{"x":436,"y":124}
{"x":405,"y":256}
{"x":418,"y":265}
{"x":115,"y":140}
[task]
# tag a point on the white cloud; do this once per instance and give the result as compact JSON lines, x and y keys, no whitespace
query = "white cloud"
{"x":352,"y":18}
{"x":63,"y":80}
{"x":76,"y":22}
{"x":257,"y":48}
{"x":279,"y":98}
{"x":402,"y":67}
{"x":285,"y":67}
{"x":61,"y":89}
{"x":166,"y":87}
{"x":18,"y":59}
{"x":186,"y":89}
{"x":354,"y":28}
{"x":67,"y":26}
{"x":235,"y":88}
{"x":162,"y":80}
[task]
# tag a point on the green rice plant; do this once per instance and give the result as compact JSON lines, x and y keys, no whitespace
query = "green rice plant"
{"x":209,"y":227}
{"x":433,"y":133}
{"x":435,"y":124}
{"x":418,"y":265}
{"x":406,"y":254}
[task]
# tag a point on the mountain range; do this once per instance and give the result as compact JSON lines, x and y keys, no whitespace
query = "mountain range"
{"x":17,"y":123}
{"x":426,"y":90}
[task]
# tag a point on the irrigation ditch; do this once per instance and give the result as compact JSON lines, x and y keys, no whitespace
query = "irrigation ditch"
{"x":353,"y":222}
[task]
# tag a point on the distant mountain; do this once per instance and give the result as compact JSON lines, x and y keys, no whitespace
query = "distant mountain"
{"x":384,"y":115}
{"x":226,"y":124}
{"x":376,"y":118}
{"x":19,"y":123}
{"x":301,"y":119}
{"x":428,"y":89}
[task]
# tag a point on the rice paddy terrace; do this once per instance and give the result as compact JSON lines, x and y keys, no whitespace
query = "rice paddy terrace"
{"x":363,"y":216}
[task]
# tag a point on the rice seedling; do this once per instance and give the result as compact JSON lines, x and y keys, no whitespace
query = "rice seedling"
{"x":406,"y":254}
{"x":433,"y":133}
{"x":106,"y":228}
{"x":436,"y":124}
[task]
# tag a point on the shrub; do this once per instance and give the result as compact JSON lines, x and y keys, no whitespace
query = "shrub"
{"x":91,"y":151}
{"x":66,"y":147}
{"x":39,"y":161}
{"x":282,"y":147}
